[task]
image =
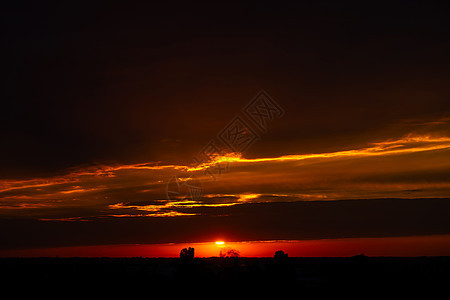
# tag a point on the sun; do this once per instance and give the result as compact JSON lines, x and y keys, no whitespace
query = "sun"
{"x":220,"y":242}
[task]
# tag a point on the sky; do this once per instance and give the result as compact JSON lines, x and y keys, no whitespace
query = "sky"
{"x":305,"y":126}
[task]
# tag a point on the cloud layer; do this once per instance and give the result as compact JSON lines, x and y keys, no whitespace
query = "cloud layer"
{"x":386,"y":188}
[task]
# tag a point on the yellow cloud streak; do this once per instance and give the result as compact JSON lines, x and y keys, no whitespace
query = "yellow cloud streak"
{"x":378,"y":149}
{"x":74,"y":177}
{"x":157,"y":214}
{"x":169,"y":205}
{"x":408,"y":144}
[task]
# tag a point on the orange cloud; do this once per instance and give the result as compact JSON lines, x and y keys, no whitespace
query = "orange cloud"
{"x":382,"y":169}
{"x":408,"y":144}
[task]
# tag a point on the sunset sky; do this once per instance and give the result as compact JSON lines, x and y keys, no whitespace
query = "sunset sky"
{"x":109,"y":114}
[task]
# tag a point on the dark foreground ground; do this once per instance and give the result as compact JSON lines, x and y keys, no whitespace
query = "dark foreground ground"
{"x":307,"y":273}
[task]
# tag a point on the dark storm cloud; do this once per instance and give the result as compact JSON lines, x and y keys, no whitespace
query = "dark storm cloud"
{"x":102,"y":105}
{"x":264,"y":221}
{"x":132,"y":84}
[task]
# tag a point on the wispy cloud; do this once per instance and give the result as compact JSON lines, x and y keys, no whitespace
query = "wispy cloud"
{"x":411,"y":166}
{"x":408,"y":144}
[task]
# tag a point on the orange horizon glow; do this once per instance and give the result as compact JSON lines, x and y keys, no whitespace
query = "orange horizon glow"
{"x":432,"y":245}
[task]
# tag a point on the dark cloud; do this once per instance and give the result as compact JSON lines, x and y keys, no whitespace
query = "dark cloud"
{"x":264,"y":221}
{"x":133,"y":84}
{"x":103,"y":105}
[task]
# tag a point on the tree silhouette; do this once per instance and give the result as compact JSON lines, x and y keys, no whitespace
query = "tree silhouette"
{"x":280,"y":257}
{"x":187,"y":255}
{"x":228,"y":252}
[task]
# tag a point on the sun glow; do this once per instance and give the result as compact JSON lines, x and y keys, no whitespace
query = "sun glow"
{"x":219,"y":243}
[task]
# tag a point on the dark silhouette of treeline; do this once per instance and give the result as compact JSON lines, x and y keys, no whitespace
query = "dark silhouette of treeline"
{"x":301,"y":272}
